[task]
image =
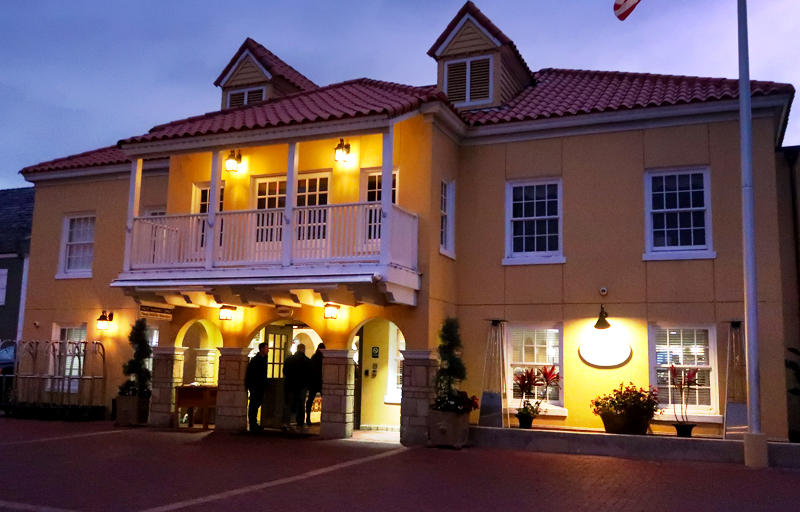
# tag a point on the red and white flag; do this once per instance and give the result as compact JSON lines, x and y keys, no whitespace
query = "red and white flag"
{"x":623,"y":8}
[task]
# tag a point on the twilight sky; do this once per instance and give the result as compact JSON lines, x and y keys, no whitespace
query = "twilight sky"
{"x":80,"y":75}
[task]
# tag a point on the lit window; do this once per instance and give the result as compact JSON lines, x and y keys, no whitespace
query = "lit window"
{"x":447,"y":208}
{"x":533,"y":222}
{"x":678,"y":215}
{"x":686,"y":349}
{"x":534,"y":347}
{"x":77,"y":251}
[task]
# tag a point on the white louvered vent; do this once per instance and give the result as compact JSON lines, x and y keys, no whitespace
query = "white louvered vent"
{"x":247,"y":97}
{"x":480,"y":85}
{"x":457,"y":82}
{"x":469,"y":81}
{"x":235,"y":99}
{"x":255,"y":96}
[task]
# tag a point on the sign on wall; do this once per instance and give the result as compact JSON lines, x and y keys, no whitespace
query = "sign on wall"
{"x":376,"y":352}
{"x":154,"y":312}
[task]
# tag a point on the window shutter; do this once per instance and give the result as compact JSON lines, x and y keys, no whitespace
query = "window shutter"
{"x":255,"y":96}
{"x":457,"y":82}
{"x":235,"y":99}
{"x":479,"y":79}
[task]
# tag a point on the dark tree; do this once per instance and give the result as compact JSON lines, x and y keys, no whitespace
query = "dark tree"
{"x":451,"y":367}
{"x":139,"y":377}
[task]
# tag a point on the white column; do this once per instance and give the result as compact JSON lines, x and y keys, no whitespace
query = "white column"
{"x":387,"y":169}
{"x":287,"y":237}
{"x":213,"y":207}
{"x":134,"y":193}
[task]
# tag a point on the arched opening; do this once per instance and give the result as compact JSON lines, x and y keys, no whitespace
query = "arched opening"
{"x":379,"y":375}
{"x":201,"y":359}
{"x":282,"y":338}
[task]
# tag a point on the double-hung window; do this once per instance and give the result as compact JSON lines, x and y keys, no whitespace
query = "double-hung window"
{"x":686,"y":349}
{"x":447,"y":207}
{"x":534,"y":222}
{"x":532,"y":346}
{"x":66,"y":359}
{"x":77,"y":247}
{"x":678,"y":215}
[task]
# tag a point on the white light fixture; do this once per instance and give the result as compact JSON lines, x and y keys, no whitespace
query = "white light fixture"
{"x":331,"y":311}
{"x":226,"y":312}
{"x":233,"y":161}
{"x":341,"y":151}
{"x":103,"y":320}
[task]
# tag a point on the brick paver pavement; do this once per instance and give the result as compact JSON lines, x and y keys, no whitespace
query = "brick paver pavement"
{"x":96,"y":467}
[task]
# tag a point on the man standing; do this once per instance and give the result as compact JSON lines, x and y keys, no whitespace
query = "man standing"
{"x":255,"y":381}
{"x":295,"y":372}
{"x":314,"y":381}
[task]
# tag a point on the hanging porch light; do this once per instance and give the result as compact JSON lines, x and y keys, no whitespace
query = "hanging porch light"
{"x":103,"y":320}
{"x":233,"y":161}
{"x":341,"y":151}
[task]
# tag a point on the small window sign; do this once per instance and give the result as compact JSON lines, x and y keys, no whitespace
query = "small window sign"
{"x":376,"y":352}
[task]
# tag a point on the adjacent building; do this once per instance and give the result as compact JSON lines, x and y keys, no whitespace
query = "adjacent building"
{"x":364,"y":213}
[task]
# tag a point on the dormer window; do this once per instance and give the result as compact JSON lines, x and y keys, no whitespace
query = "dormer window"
{"x":243,"y":97}
{"x":469,"y":81}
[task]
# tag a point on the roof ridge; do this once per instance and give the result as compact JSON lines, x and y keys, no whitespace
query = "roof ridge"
{"x":272,"y":65}
{"x":261,"y":46}
{"x":655,"y":75}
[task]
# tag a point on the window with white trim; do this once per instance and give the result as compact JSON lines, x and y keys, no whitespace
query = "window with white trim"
{"x":372,"y":189}
{"x":533,"y":346}
{"x":447,"y":209}
{"x":678,"y":214}
{"x":469,"y":81}
{"x":686,"y":349}
{"x":243,"y":97}
{"x":3,"y":285}
{"x":66,"y":360}
{"x":77,"y":250}
{"x":202,"y":201}
{"x":534,"y":222}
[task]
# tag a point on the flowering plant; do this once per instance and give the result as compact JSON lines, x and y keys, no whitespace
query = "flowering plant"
{"x":627,"y":400}
{"x":458,"y":401}
{"x":683,"y":382}
{"x":528,"y":409}
{"x":527,"y":380}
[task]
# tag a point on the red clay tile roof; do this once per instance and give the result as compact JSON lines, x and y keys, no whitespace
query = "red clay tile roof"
{"x":562,"y":92}
{"x":271,"y":63}
{"x":486,"y":23}
{"x":104,"y":156}
{"x":354,"y":98}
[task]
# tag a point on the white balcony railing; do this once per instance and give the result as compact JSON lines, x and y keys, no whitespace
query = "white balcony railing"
{"x":340,"y":233}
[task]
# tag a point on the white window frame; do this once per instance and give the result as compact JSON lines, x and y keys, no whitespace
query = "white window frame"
{"x":318,"y":174}
{"x":540,"y":258}
{"x":255,"y":181}
{"x":469,"y":60}
{"x":63,"y":272}
{"x":449,"y":247}
{"x":376,"y":171}
{"x":3,"y":285}
{"x":677,"y":253}
{"x":246,"y":91}
{"x":197,"y":189}
{"x":61,"y":371}
{"x":155,"y":211}
{"x":696,"y":413}
{"x":548,"y":408}
{"x":394,"y":392}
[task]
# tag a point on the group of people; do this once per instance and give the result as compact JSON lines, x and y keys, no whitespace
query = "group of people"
{"x":302,"y":382}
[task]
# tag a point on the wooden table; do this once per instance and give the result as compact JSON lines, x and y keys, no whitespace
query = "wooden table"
{"x":201,"y":397}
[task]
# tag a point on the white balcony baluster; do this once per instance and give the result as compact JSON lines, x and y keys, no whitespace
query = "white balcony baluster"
{"x":170,"y":241}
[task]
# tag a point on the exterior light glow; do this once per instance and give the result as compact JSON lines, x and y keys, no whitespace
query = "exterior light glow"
{"x":103,"y":320}
{"x":233,"y":161}
{"x":602,"y":323}
{"x":331,"y":311}
{"x":226,"y":312}
{"x":341,"y":151}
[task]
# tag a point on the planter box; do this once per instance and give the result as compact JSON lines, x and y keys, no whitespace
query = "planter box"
{"x":632,"y":424}
{"x":448,"y":429}
{"x":132,"y":410}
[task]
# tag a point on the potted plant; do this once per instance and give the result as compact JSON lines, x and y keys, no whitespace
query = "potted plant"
{"x":526,"y":381}
{"x":627,"y":410}
{"x":448,"y":422}
{"x":133,"y":402}
{"x":683,"y":382}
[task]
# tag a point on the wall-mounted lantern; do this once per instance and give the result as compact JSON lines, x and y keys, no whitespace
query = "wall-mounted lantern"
{"x":602,"y":323}
{"x":233,"y":161}
{"x":103,"y":320}
{"x":341,"y":151}
{"x":226,"y":312}
{"x":331,"y":311}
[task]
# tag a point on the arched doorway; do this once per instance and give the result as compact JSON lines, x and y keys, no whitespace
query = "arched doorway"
{"x":379,"y":375}
{"x":282,"y":338}
{"x":201,"y":338}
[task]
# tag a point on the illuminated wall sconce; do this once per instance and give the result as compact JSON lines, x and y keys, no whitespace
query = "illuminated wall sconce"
{"x":341,"y":151}
{"x":226,"y":312}
{"x":602,"y":323}
{"x":103,"y":320}
{"x":233,"y":161}
{"x":331,"y":311}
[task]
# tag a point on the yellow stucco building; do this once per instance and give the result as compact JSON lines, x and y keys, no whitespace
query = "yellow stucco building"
{"x":498,"y":193}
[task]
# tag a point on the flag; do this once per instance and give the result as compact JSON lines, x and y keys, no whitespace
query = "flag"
{"x":623,"y":8}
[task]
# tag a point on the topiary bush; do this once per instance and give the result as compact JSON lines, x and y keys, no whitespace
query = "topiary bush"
{"x":139,"y":376}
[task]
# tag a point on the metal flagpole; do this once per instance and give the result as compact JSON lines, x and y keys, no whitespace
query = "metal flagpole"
{"x":755,"y":441}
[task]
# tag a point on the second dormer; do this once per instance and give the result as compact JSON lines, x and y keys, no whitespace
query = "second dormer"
{"x":479,"y":66}
{"x":255,"y":75}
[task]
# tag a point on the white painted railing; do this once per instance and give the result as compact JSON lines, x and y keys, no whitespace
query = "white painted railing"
{"x":173,"y":241}
{"x":321,"y":234}
{"x":403,"y":248}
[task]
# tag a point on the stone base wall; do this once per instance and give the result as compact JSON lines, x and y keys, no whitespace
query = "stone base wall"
{"x":338,"y":393}
{"x":206,"y":369}
{"x":232,"y":394}
{"x":167,"y":374}
{"x":419,"y":390}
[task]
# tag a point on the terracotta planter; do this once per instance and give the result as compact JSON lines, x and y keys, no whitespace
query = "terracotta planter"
{"x":684,"y":429}
{"x":448,"y":429}
{"x":132,"y":410}
{"x":631,"y":424}
{"x":525,"y":421}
